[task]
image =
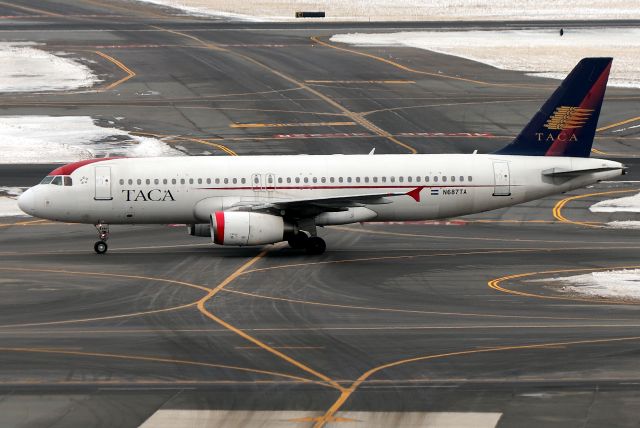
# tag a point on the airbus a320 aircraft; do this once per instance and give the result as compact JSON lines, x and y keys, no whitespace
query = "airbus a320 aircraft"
{"x":253,"y":200}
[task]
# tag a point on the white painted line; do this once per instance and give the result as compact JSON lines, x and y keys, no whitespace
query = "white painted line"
{"x":167,"y":418}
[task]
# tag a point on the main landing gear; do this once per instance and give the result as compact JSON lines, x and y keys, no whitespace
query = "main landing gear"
{"x":311,"y":244}
{"x":103,"y":234}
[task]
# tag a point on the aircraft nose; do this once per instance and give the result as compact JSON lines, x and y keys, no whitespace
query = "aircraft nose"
{"x":27,"y":202}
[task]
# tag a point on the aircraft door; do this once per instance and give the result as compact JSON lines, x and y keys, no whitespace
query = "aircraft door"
{"x":103,"y":183}
{"x":502,"y":180}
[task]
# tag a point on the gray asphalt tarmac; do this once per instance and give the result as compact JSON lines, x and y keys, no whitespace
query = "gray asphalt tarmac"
{"x":405,"y":318}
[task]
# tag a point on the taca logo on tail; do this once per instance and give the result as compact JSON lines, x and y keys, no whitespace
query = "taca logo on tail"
{"x":566,"y":123}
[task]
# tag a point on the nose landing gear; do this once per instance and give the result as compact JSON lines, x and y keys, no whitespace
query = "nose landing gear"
{"x":101,"y":247}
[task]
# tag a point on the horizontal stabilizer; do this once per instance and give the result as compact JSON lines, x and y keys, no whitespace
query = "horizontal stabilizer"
{"x":559,"y":172}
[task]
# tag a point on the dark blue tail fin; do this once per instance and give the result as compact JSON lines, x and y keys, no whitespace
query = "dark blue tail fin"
{"x":566,"y":123}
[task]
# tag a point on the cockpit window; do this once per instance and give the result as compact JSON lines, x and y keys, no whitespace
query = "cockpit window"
{"x":47,"y":179}
{"x":57,"y":181}
{"x":68,"y":181}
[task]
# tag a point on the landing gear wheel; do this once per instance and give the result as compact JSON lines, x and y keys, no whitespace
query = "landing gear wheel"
{"x":298,"y":241}
{"x":315,"y":245}
{"x":100,"y":247}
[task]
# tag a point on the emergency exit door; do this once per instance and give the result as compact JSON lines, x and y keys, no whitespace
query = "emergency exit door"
{"x":502,"y":180}
{"x":103,"y":183}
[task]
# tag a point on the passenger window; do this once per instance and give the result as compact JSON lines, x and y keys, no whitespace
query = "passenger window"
{"x":306,"y":179}
{"x":384,"y":179}
{"x":199,"y":180}
{"x":375,"y":179}
{"x":173,"y":181}
{"x":121,"y":181}
{"x":470,"y":178}
{"x":340,"y":179}
{"x":435,"y":178}
{"x":157,"y":181}
{"x":444,"y":178}
{"x":357,"y":179}
{"x":332,"y":180}
{"x":348,"y":179}
{"x":191,"y":181}
{"x":366,"y":179}
{"x":243,"y":180}
{"x":392,"y":179}
{"x":453,"y":178}
{"x":297,"y":179}
{"x":130,"y":181}
{"x":426,"y":178}
{"x":68,"y":181}
{"x":400,"y":179}
{"x":462,"y":178}
{"x":181,"y":181}
{"x":57,"y":181}
{"x":315,"y":180}
{"x":139,"y":181}
{"x":235,"y":181}
{"x":418,"y":179}
{"x":148,"y":181}
{"x":217,"y":181}
{"x":279,"y":180}
{"x":208,"y":181}
{"x":288,"y":179}
{"x":226,"y":181}
{"x":323,"y":179}
{"x":409,"y":179}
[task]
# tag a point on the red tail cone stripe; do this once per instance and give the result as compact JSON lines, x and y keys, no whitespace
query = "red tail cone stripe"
{"x":219,"y":238}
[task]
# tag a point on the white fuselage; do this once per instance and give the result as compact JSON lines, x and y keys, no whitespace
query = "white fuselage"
{"x":188,"y":189}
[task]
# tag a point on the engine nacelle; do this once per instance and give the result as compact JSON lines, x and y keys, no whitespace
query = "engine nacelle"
{"x":247,"y":228}
{"x":203,"y":230}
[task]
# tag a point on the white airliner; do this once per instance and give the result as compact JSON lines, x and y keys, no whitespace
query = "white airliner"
{"x":267,"y":199}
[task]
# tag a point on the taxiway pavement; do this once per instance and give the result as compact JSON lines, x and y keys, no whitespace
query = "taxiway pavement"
{"x":397,"y":321}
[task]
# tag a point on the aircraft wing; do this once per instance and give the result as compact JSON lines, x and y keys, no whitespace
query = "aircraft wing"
{"x":305,"y":207}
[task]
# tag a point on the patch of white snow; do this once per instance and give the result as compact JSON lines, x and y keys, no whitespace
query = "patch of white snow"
{"x":410,"y":10}
{"x":531,"y":51}
{"x":627,"y":204}
{"x":24,"y":68}
{"x":49,"y":139}
{"x":9,"y":202}
{"x":620,"y":284}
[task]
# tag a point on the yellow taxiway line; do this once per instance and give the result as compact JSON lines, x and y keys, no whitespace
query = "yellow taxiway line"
{"x":203,"y":309}
{"x":130,"y":73}
{"x":557,"y":209}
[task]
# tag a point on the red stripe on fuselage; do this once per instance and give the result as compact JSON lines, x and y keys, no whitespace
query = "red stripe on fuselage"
{"x":219,"y":237}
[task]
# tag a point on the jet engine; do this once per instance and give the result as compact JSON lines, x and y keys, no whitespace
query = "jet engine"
{"x":248,"y":228}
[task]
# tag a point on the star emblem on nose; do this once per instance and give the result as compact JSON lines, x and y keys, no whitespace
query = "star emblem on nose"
{"x":84,"y":180}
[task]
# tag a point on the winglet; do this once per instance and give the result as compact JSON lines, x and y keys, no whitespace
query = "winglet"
{"x":415,"y":193}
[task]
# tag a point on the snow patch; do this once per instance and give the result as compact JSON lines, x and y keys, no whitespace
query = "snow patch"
{"x":9,"y":201}
{"x":624,"y":224}
{"x":24,"y":68}
{"x":48,"y":139}
{"x":630,"y":204}
{"x":410,"y":10}
{"x":524,"y":50}
{"x":620,"y":284}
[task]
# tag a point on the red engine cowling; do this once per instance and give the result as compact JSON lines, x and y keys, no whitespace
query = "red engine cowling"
{"x":246,"y":228}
